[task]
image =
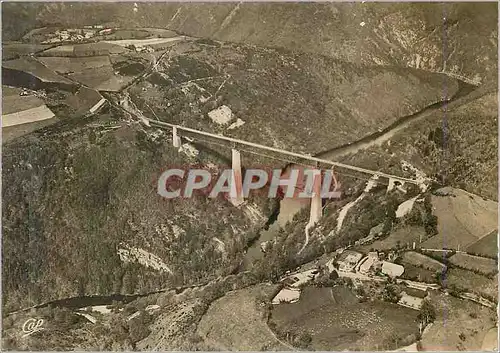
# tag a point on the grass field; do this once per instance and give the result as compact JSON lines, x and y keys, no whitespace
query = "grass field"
{"x":84,"y":50}
{"x":474,"y":263}
{"x":336,"y":321}
{"x":102,"y":78}
{"x":420,"y":260}
{"x":472,"y":282}
{"x":143,"y":42}
{"x":31,"y":115}
{"x":486,"y":246}
{"x":463,"y":219}
{"x":14,"y":50}
{"x":12,"y":102}
{"x":455,"y":317}
{"x":35,"y":68}
{"x":237,"y":322}
{"x":401,"y":236}
{"x":68,"y":64}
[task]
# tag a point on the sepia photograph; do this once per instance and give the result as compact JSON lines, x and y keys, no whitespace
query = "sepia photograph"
{"x":249,"y":176}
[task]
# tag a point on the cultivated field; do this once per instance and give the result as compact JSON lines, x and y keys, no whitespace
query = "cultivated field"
{"x":474,"y":263}
{"x":14,"y":50}
{"x":27,"y":116}
{"x":35,"y":68}
{"x":143,"y":42}
{"x":69,"y":64}
{"x":486,"y":246}
{"x":101,"y":79}
{"x":338,"y":322}
{"x":420,"y":260}
{"x":84,"y":50}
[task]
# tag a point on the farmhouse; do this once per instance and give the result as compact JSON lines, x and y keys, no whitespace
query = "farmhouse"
{"x":392,"y":269}
{"x":348,"y":260}
{"x":367,"y":264}
{"x":411,"y":301}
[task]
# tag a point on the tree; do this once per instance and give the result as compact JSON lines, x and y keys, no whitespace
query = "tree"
{"x":427,"y":313}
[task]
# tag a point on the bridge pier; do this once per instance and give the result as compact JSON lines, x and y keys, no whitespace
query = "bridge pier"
{"x":316,"y":201}
{"x":176,"y":139}
{"x":236,"y":194}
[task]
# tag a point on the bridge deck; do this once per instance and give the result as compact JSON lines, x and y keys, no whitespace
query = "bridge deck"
{"x":284,"y":152}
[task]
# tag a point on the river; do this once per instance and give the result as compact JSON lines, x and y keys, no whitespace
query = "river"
{"x":291,"y":206}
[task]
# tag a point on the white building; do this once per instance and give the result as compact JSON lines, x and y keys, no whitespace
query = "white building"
{"x":369,"y":261}
{"x":287,"y":295}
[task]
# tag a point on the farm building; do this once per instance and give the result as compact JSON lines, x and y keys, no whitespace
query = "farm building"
{"x":392,"y":269}
{"x":348,"y":260}
{"x":368,"y":263}
{"x":411,"y":301}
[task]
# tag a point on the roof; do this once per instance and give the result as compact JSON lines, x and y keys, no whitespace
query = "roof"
{"x":392,"y":269}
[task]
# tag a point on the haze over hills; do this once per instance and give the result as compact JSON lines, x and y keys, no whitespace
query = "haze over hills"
{"x":404,"y":89}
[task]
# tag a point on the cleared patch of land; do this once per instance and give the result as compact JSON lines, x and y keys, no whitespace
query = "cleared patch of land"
{"x":143,"y":42}
{"x":463,"y":219}
{"x":453,"y":318}
{"x":237,"y":322}
{"x":336,"y":321}
{"x":13,"y":102}
{"x":69,"y":64}
{"x":35,"y":68}
{"x":27,"y":116}
{"x":14,"y":50}
{"x":474,"y":263}
{"x":486,"y":246}
{"x":398,"y":237}
{"x":420,"y":260}
{"x":89,"y":49}
{"x":471,"y":282}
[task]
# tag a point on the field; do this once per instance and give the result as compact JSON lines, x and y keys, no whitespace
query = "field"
{"x":336,"y":321}
{"x":486,"y":246}
{"x":463,"y":219}
{"x":455,"y":317}
{"x":84,"y":50}
{"x":102,"y":79}
{"x":12,"y":102}
{"x":401,"y":236}
{"x":420,"y":260}
{"x":471,"y":282}
{"x":238,"y":322}
{"x":27,"y":116}
{"x":14,"y":50}
{"x":420,"y":274}
{"x":474,"y":263}
{"x":143,"y":42}
{"x":70,"y":64}
{"x":35,"y":68}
